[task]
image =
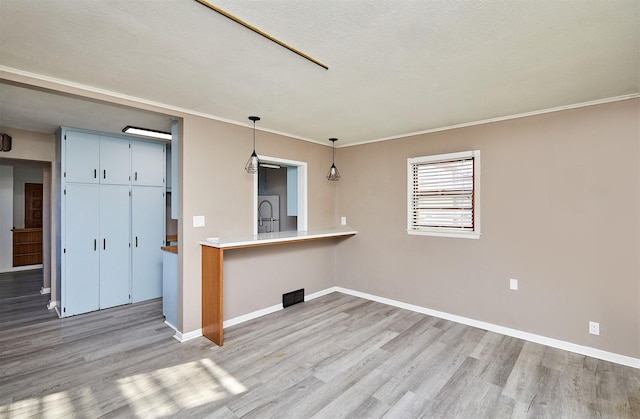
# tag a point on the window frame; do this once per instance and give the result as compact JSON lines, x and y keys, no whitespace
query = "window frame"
{"x":443,"y":231}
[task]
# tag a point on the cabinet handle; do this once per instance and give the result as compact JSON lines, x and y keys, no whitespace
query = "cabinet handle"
{"x":104,"y":244}
{"x":95,"y":244}
{"x":136,"y":241}
{"x":95,"y":173}
{"x":135,"y":176}
{"x":104,"y":174}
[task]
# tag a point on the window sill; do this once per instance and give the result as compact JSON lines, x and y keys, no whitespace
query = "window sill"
{"x":453,"y":234}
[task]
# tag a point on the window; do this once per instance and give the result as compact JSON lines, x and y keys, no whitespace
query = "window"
{"x":444,"y":195}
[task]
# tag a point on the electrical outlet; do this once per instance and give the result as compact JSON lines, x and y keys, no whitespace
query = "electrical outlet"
{"x":594,"y":328}
{"x":343,"y":221}
{"x":513,"y":284}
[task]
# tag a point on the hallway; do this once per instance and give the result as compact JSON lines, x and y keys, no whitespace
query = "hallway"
{"x":21,"y":303}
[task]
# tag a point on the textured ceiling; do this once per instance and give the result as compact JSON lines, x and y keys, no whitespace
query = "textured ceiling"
{"x":394,"y":67}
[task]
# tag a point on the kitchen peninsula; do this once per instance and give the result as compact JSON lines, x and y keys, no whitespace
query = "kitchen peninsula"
{"x":213,"y":269}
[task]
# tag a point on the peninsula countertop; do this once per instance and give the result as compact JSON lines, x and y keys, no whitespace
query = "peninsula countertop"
{"x":275,"y":238}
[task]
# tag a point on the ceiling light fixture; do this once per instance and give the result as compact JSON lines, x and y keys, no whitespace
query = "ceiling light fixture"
{"x":259,"y":32}
{"x":252,"y":163}
{"x":334,"y":174}
{"x":147,"y":132}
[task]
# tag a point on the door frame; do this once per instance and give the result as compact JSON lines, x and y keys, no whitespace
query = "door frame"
{"x":302,"y":190}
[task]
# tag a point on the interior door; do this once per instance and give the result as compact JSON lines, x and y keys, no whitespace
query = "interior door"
{"x":115,"y":251}
{"x":33,"y":205}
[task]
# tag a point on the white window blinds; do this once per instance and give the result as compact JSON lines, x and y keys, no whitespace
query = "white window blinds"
{"x":441,"y":190}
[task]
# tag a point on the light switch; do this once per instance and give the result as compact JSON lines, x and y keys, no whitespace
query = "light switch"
{"x":513,"y":284}
{"x":343,"y":221}
{"x":198,"y":220}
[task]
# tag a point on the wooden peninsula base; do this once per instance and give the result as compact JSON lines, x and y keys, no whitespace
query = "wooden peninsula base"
{"x":213,"y":270}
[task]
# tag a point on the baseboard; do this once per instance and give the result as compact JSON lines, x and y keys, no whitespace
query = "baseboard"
{"x":183,"y":337}
{"x":52,"y":305}
{"x":251,"y":316}
{"x":320,"y":293}
{"x":21,"y":268}
{"x":272,"y":309}
{"x":171,"y":326}
{"x":543,"y":340}
{"x":44,"y":290}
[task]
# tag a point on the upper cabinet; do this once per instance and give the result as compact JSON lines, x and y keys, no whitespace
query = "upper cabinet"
{"x":81,"y":160}
{"x":115,"y":161}
{"x":147,"y":163}
{"x":92,"y":158}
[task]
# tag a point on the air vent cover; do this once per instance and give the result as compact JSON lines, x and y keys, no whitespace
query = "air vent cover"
{"x":293,"y":297}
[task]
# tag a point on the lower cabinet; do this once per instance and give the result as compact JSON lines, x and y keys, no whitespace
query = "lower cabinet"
{"x":111,"y":246}
{"x":148,"y":212}
{"x":115,"y":251}
{"x":81,"y":260}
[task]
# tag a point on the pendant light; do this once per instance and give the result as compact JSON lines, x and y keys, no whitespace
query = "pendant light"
{"x":334,"y":174}
{"x":252,"y":163}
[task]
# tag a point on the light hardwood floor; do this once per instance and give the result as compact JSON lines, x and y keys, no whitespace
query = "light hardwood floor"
{"x":333,"y":357}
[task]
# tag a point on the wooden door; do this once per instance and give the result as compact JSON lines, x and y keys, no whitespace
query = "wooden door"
{"x":33,"y":205}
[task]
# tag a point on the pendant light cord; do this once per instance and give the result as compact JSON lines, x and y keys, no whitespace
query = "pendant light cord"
{"x":333,"y":152}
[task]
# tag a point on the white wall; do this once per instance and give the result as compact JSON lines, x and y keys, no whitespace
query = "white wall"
{"x":22,"y":175}
{"x":6,"y":219}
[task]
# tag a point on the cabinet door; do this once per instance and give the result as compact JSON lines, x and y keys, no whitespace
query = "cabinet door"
{"x":147,"y":163}
{"x":170,"y":288}
{"x":115,"y":252}
{"x":115,"y":161}
{"x":148,"y":224}
{"x":81,"y":157}
{"x":81,"y":263}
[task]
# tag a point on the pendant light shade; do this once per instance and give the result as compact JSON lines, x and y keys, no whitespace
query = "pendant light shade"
{"x":252,"y":163}
{"x":334,"y":174}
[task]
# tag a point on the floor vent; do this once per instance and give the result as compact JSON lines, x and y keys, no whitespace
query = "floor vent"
{"x":293,"y":297}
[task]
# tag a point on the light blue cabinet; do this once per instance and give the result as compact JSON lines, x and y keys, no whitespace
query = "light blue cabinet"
{"x":170,"y":288}
{"x":115,"y":161}
{"x":81,"y":157}
{"x":102,"y":211}
{"x":168,"y":168}
{"x":147,"y":221}
{"x":147,"y":163}
{"x":81,"y":260}
{"x":93,"y":158}
{"x":114,"y":245}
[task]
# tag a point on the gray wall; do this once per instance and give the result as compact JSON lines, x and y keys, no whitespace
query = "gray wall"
{"x":560,"y":212}
{"x":215,"y":184}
